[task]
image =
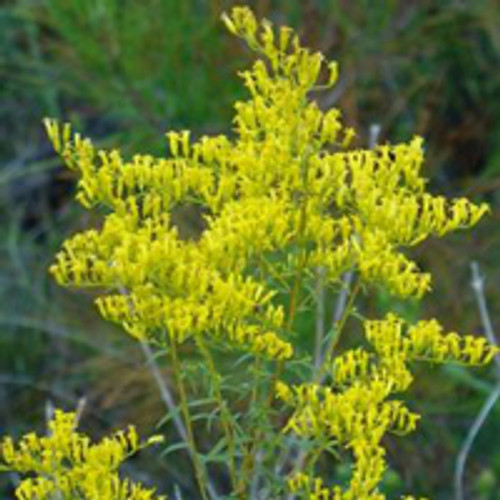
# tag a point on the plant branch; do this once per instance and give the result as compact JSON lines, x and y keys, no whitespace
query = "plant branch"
{"x":165,"y":393}
{"x":476,"y":426}
{"x":477,"y":285}
{"x":320,"y":316}
{"x":200,"y":471}
{"x":227,"y":421}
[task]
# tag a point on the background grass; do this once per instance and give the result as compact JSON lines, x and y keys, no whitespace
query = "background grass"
{"x":124,"y":72}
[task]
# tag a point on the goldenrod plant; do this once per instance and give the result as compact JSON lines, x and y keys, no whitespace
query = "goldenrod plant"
{"x":288,"y":202}
{"x":66,"y":465}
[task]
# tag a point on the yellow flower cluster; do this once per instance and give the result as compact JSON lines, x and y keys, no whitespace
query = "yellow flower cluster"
{"x":425,"y":341}
{"x":316,"y":490}
{"x":270,"y":189}
{"x":356,"y":412}
{"x":282,"y":185}
{"x":66,"y":465}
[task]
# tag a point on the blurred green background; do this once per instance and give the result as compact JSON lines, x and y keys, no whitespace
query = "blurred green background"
{"x":126,"y":71}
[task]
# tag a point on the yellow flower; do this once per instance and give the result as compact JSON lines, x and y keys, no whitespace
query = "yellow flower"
{"x":65,"y":464}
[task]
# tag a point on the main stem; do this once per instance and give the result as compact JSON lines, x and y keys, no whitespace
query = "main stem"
{"x":249,"y":463}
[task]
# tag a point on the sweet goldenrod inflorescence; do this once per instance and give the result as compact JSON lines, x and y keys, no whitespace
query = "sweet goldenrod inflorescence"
{"x":285,"y":196}
{"x":360,"y":409}
{"x":315,"y":489}
{"x":65,"y":464}
{"x":284,"y":183}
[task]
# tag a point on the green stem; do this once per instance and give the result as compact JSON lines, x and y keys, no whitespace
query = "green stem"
{"x":249,"y":452}
{"x":337,"y":331}
{"x":200,"y":472}
{"x":312,"y":459}
{"x":269,"y":269}
{"x":226,"y":417}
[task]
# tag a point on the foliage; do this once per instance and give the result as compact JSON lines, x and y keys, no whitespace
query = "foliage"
{"x":283,"y":200}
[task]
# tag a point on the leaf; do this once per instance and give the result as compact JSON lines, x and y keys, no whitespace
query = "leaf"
{"x":216,"y":454}
{"x":174,"y":447}
{"x":465,"y":376}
